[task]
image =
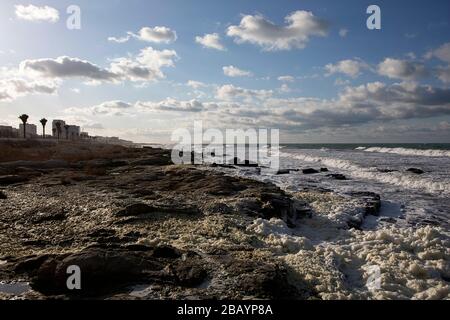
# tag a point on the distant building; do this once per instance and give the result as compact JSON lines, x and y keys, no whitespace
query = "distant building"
{"x":8,"y":132}
{"x":74,"y":132}
{"x":31,"y":130}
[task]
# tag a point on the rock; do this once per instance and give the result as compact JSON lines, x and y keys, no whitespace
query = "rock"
{"x":371,"y":201}
{"x":416,"y":170}
{"x":12,"y":179}
{"x":283,"y":171}
{"x":337,"y":176}
{"x":245,"y":163}
{"x":3,"y":195}
{"x":46,"y":217}
{"x":137,"y":209}
{"x":158,"y":160}
{"x":49,"y":164}
{"x":386,"y":170}
{"x":310,"y":171}
{"x":324,"y":170}
{"x":107,"y":269}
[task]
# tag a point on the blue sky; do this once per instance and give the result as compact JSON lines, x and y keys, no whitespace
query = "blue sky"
{"x":340,"y":81}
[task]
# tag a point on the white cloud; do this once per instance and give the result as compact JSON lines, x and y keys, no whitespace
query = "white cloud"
{"x":230,"y":92}
{"x":156,"y":34}
{"x":286,"y":79}
{"x":441,"y":53}
{"x":196,"y":84}
{"x":343,"y":32}
{"x":211,"y":40}
{"x":146,"y":66}
{"x":13,"y":88}
{"x":232,"y":71}
{"x":37,"y":14}
{"x":300,"y":26}
{"x":67,"y":67}
{"x":443,"y":73}
{"x":173,"y":105}
{"x":348,"y":67}
{"x":402,"y":69}
{"x":285,"y":88}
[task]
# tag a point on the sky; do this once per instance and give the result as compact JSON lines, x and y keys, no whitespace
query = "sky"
{"x":312,"y":69}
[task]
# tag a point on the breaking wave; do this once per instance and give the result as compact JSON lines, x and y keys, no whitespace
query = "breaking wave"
{"x":408,"y":152}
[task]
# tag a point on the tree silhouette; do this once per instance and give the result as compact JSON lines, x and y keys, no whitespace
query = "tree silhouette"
{"x":24,"y":119}
{"x":66,"y":127}
{"x":58,"y":128}
{"x":43,"y":121}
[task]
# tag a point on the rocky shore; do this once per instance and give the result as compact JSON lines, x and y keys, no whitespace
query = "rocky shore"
{"x":140,"y":227}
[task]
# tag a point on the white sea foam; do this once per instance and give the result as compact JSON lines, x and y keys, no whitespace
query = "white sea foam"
{"x":408,"y":151}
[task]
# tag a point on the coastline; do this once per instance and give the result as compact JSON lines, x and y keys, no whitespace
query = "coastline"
{"x":164,"y":231}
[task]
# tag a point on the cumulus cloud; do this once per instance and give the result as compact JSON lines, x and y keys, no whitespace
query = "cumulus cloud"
{"x":230,"y":92}
{"x":174,"y":105}
{"x":108,"y":108}
{"x":349,"y":67}
{"x":300,"y":27}
{"x":402,"y":69}
{"x":156,"y":34}
{"x":67,"y":67}
{"x":211,"y":41}
{"x":13,"y":88}
{"x":146,"y":66}
{"x":286,"y":79}
{"x":37,"y":14}
{"x":232,"y":71}
{"x":443,"y":73}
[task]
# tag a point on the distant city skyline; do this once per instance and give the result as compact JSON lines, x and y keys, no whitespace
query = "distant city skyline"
{"x":141,"y":69}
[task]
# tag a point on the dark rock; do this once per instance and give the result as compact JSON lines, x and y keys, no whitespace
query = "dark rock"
{"x":386,"y":170}
{"x":324,"y":170}
{"x":157,"y":160}
{"x":310,"y":171}
{"x":137,"y":209}
{"x":283,"y":171}
{"x":3,"y":195}
{"x":113,"y":269}
{"x":12,"y":179}
{"x":337,"y":176}
{"x":371,"y":201}
{"x":415,"y":170}
{"x":245,"y":163}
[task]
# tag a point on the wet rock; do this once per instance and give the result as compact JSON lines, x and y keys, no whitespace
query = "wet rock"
{"x":112,"y":269}
{"x":12,"y":179}
{"x":386,"y":170}
{"x":245,"y":163}
{"x":49,"y":164}
{"x":310,"y":171}
{"x":3,"y":195}
{"x":337,"y":176}
{"x":371,"y":202}
{"x":283,"y":171}
{"x":324,"y":170}
{"x":416,"y":170}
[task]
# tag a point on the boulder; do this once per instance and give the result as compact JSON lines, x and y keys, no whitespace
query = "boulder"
{"x":416,"y":170}
{"x":310,"y":171}
{"x":324,"y":170}
{"x":337,"y":176}
{"x":2,"y":195}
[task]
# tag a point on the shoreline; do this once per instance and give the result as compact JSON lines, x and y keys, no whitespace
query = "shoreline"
{"x":180,"y":232}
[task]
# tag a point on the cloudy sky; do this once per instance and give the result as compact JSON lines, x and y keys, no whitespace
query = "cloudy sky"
{"x":140,"y":69}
